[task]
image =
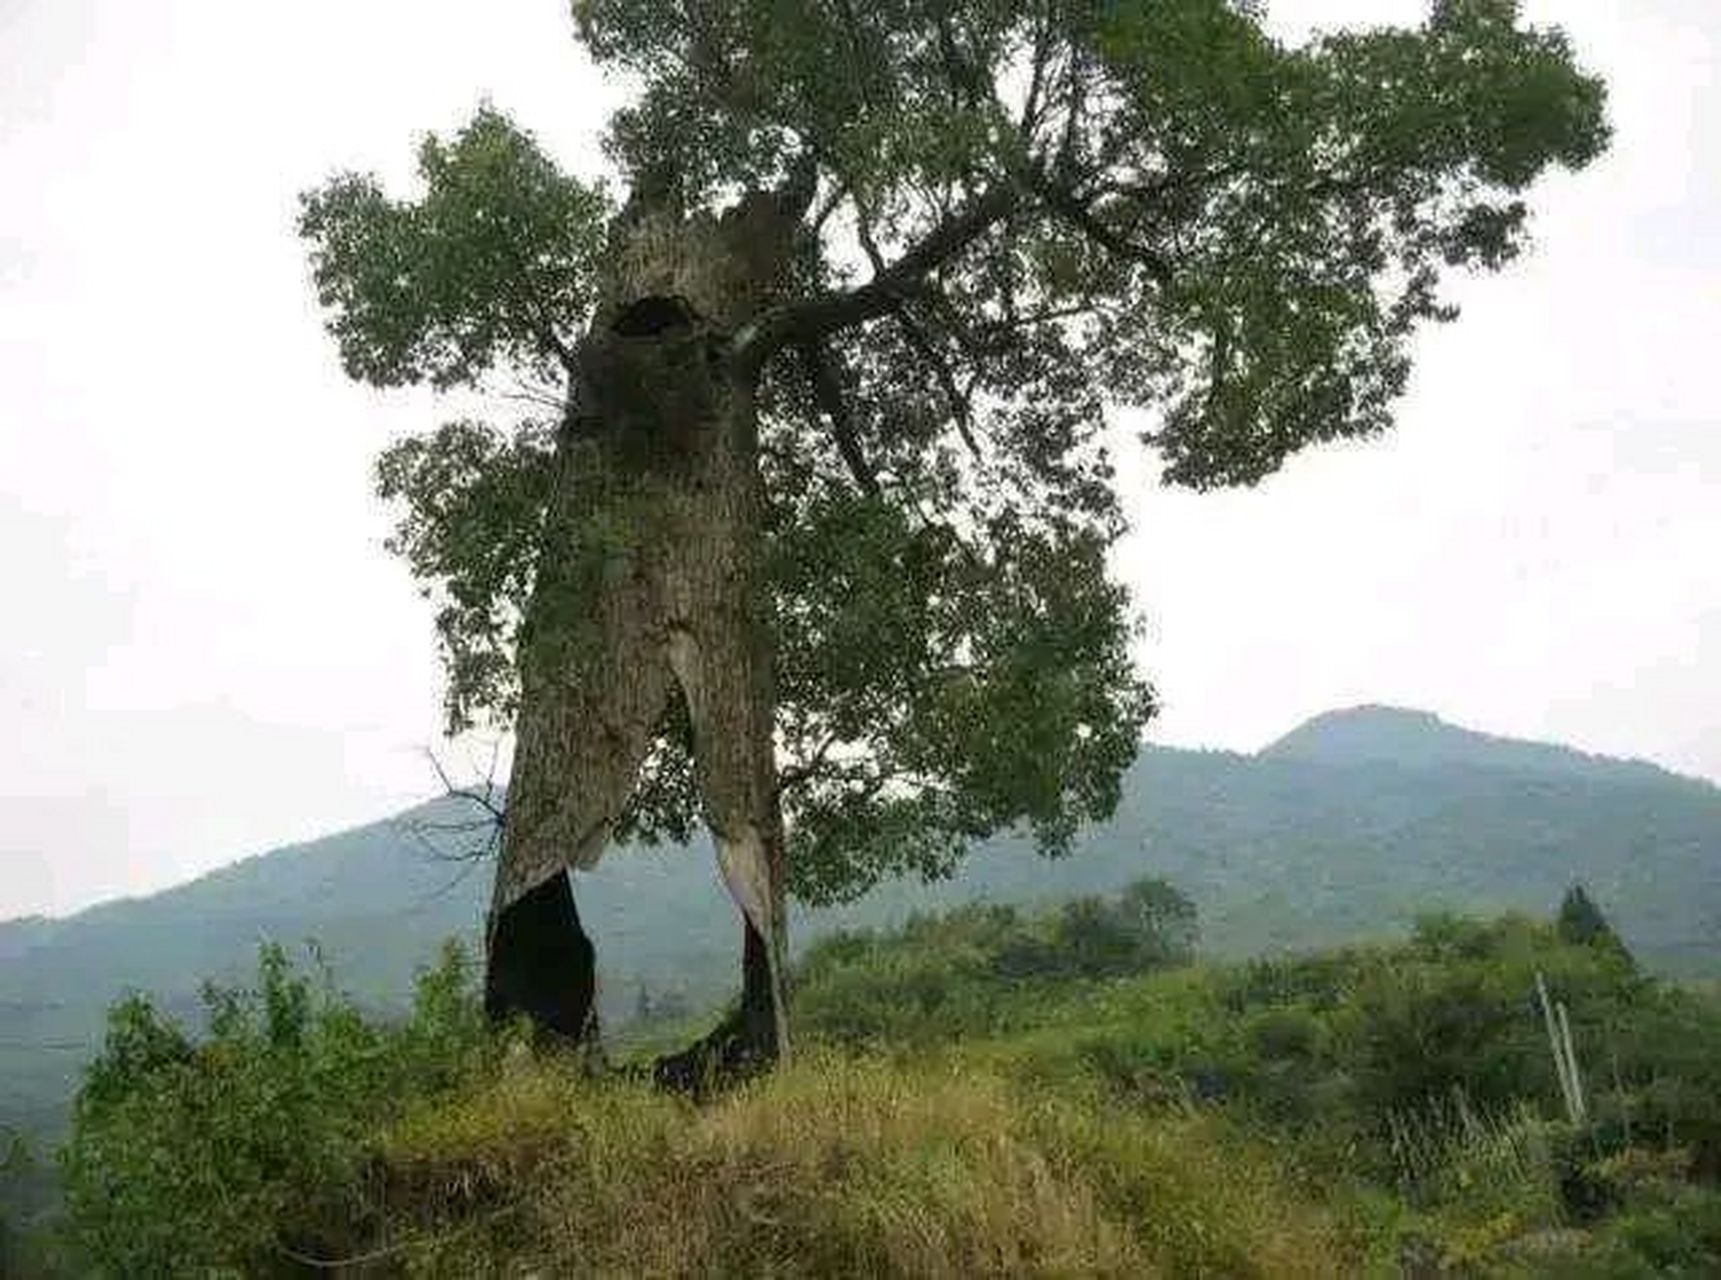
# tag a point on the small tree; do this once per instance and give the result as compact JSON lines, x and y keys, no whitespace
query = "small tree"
{"x":810,"y":541}
{"x":1582,"y":924}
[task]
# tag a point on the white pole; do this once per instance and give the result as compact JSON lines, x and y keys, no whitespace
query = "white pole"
{"x":1555,"y":1045}
{"x":1572,"y":1066}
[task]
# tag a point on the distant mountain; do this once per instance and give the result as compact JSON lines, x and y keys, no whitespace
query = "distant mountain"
{"x":1421,"y":739}
{"x":1346,"y":827}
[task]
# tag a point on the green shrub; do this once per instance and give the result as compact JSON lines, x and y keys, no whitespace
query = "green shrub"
{"x":221,"y":1154}
{"x":984,"y":969}
{"x":1675,"y":1234}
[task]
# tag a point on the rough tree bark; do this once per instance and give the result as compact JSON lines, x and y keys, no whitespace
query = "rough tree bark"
{"x":651,"y":580}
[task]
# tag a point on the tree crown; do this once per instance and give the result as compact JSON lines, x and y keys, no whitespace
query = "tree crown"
{"x":1015,"y":214}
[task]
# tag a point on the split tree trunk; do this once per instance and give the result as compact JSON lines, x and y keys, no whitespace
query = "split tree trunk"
{"x":652,"y":580}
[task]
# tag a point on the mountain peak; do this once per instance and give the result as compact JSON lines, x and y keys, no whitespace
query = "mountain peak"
{"x":1374,"y":734}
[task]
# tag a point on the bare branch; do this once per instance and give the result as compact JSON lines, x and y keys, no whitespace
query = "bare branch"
{"x":490,"y":820}
{"x":484,"y":801}
{"x":526,"y":394}
{"x":1028,"y":321}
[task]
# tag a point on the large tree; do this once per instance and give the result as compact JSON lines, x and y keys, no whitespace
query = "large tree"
{"x":809,"y":544}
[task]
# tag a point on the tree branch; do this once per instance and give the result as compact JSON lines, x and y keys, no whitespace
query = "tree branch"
{"x":800,"y":187}
{"x":967,"y":85}
{"x":814,"y":318}
{"x":829,"y":391}
{"x":795,"y":775}
{"x":490,"y":821}
{"x":1037,"y":83}
{"x":1079,"y":214}
{"x":833,"y":202}
{"x":923,"y":344}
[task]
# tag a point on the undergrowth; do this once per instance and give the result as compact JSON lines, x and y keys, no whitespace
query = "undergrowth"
{"x":983,"y":1093}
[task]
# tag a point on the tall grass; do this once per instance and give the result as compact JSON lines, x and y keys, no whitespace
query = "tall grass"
{"x":837,"y":1167}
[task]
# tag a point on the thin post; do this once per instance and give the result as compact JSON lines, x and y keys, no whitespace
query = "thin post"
{"x":1580,"y":1110}
{"x":1557,"y":1047}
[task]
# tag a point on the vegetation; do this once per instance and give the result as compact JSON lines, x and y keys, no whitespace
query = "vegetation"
{"x":223,"y":1153}
{"x":987,"y":1093}
{"x":858,"y":518}
{"x":975,"y":971}
{"x":1275,"y":851}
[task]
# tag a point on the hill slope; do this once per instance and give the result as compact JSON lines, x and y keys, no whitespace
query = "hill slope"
{"x":1346,"y":827}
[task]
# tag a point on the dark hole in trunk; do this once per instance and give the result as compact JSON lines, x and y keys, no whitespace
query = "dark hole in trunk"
{"x":742,"y":1045}
{"x":542,"y":963}
{"x":654,"y":315}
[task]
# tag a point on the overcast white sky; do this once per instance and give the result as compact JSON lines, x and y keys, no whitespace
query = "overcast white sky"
{"x":205,"y":651}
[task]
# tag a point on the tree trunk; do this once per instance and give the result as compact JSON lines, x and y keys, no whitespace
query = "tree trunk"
{"x":653,"y":573}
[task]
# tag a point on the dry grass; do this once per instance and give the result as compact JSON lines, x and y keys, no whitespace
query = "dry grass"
{"x":837,"y":1167}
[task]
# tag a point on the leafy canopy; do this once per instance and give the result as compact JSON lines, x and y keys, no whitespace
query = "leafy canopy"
{"x":1018,"y":213}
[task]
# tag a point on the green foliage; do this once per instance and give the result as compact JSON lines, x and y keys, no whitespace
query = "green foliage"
{"x":981,"y":969}
{"x":974,"y":683}
{"x":495,"y":263}
{"x":472,"y":507}
{"x":1414,"y":1079}
{"x":1277,"y":853}
{"x":1063,"y":206}
{"x":1249,"y":231}
{"x":218,"y":1155}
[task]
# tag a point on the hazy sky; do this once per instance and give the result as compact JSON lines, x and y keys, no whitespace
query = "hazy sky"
{"x":205,"y":651}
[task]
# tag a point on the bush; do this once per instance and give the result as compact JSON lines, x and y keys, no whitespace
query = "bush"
{"x":1037,"y":1111}
{"x":221,"y":1154}
{"x":1148,"y":925}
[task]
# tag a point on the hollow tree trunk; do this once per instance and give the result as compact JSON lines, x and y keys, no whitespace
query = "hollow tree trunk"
{"x":652,"y":579}
{"x":543,"y":936}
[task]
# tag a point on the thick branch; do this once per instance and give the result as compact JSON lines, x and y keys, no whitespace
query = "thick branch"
{"x":816,"y":317}
{"x":829,"y":391}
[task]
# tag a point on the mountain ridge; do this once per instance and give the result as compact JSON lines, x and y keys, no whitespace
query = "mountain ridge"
{"x":1358,"y":735}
